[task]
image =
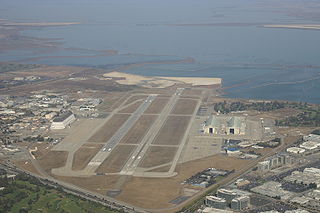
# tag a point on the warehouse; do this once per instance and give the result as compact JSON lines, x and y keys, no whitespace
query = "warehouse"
{"x":225,"y":125}
{"x":63,"y":120}
{"x":213,"y":125}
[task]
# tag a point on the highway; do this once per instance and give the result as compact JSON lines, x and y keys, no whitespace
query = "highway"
{"x":117,"y":137}
{"x":142,"y":148}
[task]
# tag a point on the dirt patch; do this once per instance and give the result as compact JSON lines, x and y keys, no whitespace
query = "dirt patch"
{"x":99,"y":184}
{"x":173,"y":130}
{"x":42,"y":149}
{"x":116,"y":159}
{"x":139,"y":129}
{"x":130,"y":109}
{"x":157,"y":105}
{"x":156,"y":156}
{"x":108,"y":129}
{"x":191,"y":92}
{"x":27,"y":166}
{"x":53,"y":159}
{"x":84,"y":154}
{"x":184,"y":107}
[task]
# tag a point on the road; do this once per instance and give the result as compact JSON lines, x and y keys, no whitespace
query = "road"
{"x":138,"y":154}
{"x":116,"y":138}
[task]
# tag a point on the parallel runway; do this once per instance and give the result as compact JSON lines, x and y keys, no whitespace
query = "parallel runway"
{"x":117,"y":137}
{"x":142,"y":148}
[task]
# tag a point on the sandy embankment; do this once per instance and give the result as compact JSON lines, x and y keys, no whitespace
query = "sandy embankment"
{"x":36,"y":24}
{"x":160,"y":82}
{"x":294,"y":26}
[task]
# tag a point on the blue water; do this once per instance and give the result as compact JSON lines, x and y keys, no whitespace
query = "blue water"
{"x":247,"y":56}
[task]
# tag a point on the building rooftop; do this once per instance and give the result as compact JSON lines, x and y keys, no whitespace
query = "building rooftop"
{"x":310,"y":145}
{"x":215,"y":199}
{"x":296,"y":150}
{"x":213,"y":121}
{"x":63,"y":116}
{"x":235,"y":122}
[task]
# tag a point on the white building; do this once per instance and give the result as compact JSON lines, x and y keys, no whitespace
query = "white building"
{"x":296,"y":150}
{"x":219,"y":124}
{"x":310,"y":145}
{"x":63,"y":120}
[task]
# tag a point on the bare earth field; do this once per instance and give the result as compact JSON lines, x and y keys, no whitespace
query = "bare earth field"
{"x":156,"y":155}
{"x":53,"y":159}
{"x":130,"y":109}
{"x":108,"y":129}
{"x":158,"y":192}
{"x":27,"y":165}
{"x":116,"y":161}
{"x":99,"y":184}
{"x":191,"y":92}
{"x":172,"y":131}
{"x":184,"y":107}
{"x":136,"y":133}
{"x":157,"y":105}
{"x":83,"y":155}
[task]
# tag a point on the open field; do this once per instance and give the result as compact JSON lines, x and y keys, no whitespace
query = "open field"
{"x":26,"y":165}
{"x":173,"y":130}
{"x":83,"y":155}
{"x":116,"y":159}
{"x":133,"y":107}
{"x":184,"y":107}
{"x":191,"y":92}
{"x":136,"y":133}
{"x":108,"y":129}
{"x":156,"y":155}
{"x":53,"y":159}
{"x":158,"y":192}
{"x":97,"y":183}
{"x":157,"y":105}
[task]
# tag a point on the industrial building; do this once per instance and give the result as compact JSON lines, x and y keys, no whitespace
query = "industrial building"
{"x":310,"y":145}
{"x":240,"y":203}
{"x":272,"y":189}
{"x":213,"y":125}
{"x":220,"y":124}
{"x":216,"y":202}
{"x":312,"y":137}
{"x":63,"y":120}
{"x":235,"y":126}
{"x":226,"y":194}
{"x":308,"y":176}
{"x":295,"y":150}
{"x":275,"y":161}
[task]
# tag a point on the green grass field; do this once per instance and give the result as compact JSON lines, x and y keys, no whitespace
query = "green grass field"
{"x":26,"y":194}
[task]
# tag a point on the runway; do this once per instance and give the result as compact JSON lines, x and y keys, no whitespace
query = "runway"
{"x":117,"y":137}
{"x":142,"y":148}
